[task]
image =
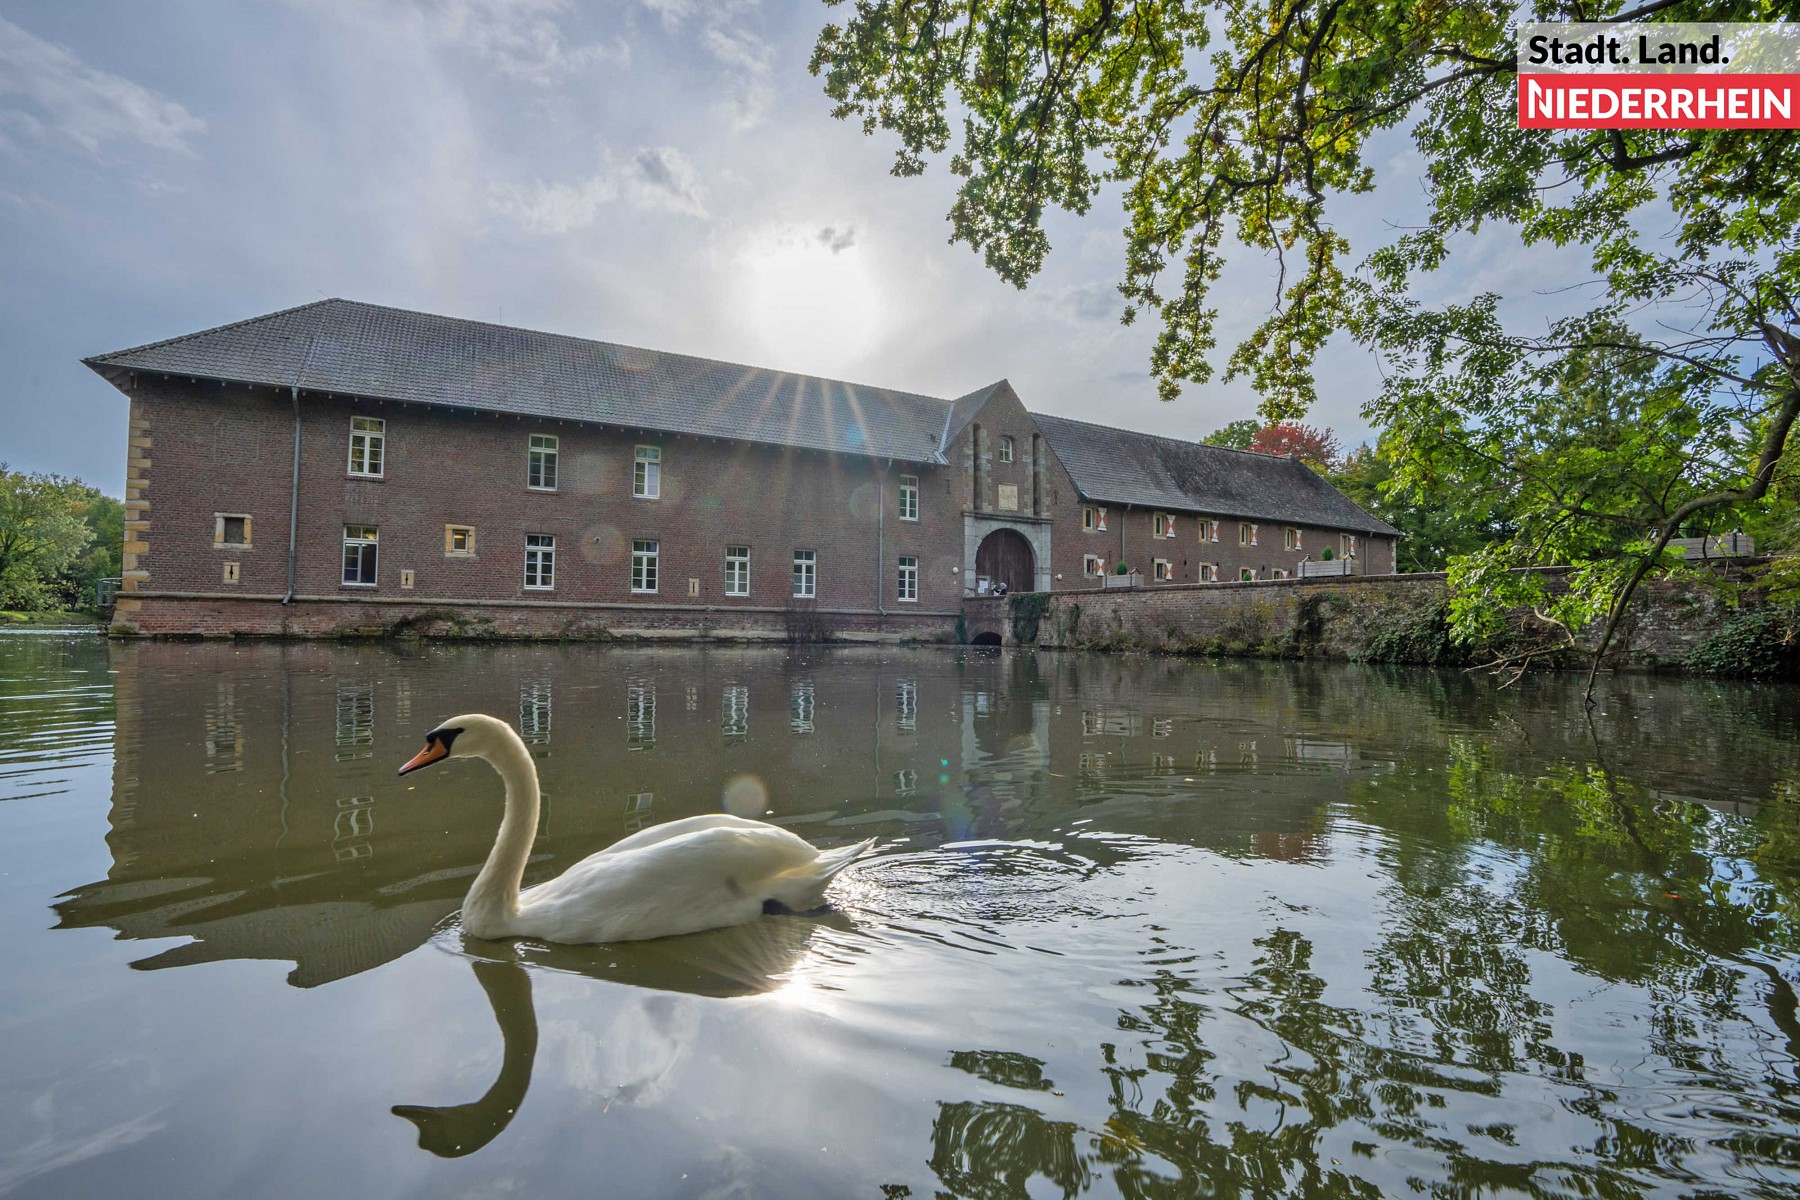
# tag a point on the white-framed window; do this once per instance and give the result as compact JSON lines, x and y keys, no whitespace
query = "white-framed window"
{"x":1246,"y":574}
{"x":1209,"y":572}
{"x":535,"y":711}
{"x":231,"y":530}
{"x":360,"y":552}
{"x":1092,"y":565}
{"x":1278,"y":573}
{"x":459,"y":541}
{"x":1006,"y":449}
{"x":1246,"y":534}
{"x":1164,"y":525}
{"x":540,"y":468}
{"x":1093,"y":518}
{"x":646,"y":473}
{"x":1291,"y":538}
{"x":637,"y":810}
{"x":909,"y":578}
{"x":802,"y":703}
{"x":1347,"y":545}
{"x":640,"y":716}
{"x":1160,"y":570}
{"x":734,"y":711}
{"x":909,"y":497}
{"x":1208,"y":529}
{"x":737,"y":570}
{"x":644,"y":555}
{"x":355,"y":820}
{"x":368,"y":446}
{"x":806,"y":574}
{"x":540,"y":561}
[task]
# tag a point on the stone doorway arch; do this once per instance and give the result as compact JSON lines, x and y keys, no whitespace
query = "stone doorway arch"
{"x":1005,"y":556}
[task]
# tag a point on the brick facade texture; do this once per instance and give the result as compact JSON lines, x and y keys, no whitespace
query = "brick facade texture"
{"x":201,"y":451}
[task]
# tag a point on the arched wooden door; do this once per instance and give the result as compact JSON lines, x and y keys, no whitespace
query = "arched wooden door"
{"x":1004,"y":556}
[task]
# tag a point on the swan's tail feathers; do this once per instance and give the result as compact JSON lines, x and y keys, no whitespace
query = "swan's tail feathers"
{"x":802,"y":889}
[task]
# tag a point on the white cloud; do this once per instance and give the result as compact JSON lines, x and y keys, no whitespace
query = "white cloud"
{"x":749,"y":58}
{"x":661,"y":178}
{"x":523,"y":39}
{"x":657,"y":179}
{"x":553,"y":208}
{"x":30,"y":201}
{"x":672,"y":12}
{"x":88,"y":106}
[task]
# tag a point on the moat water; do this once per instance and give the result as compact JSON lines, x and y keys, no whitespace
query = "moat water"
{"x":1137,"y":927}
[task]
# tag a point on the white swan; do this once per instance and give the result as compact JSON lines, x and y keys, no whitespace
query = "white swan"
{"x":680,"y":877}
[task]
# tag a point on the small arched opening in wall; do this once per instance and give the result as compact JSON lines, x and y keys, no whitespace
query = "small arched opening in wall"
{"x":989,"y":638}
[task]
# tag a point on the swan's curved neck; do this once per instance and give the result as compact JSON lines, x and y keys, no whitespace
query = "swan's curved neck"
{"x":493,"y":900}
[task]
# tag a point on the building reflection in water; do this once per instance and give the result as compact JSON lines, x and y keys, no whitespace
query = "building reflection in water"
{"x":534,"y":712}
{"x":256,"y":815}
{"x":255,"y":809}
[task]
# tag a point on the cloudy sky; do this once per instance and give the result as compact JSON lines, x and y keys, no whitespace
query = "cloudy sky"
{"x":662,"y":173}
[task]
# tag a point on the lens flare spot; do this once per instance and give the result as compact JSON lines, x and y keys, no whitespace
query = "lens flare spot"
{"x":745,"y":796}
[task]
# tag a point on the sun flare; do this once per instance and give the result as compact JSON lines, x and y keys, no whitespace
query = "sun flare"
{"x":809,"y":298}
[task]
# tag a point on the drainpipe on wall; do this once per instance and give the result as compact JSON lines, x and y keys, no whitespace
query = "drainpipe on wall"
{"x":294,"y":501}
{"x":294,"y":493}
{"x":1124,"y":519}
{"x":880,"y":536}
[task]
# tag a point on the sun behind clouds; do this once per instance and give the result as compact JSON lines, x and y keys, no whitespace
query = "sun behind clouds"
{"x":808,"y":298}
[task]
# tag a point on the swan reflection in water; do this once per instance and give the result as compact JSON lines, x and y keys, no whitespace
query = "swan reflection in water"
{"x":744,"y":960}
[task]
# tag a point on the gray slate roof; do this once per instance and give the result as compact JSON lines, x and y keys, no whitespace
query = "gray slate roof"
{"x":1118,"y":466}
{"x":354,"y":349}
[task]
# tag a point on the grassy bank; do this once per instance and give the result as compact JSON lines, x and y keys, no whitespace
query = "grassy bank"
{"x":72,"y":617}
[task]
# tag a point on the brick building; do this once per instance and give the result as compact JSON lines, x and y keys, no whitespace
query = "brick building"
{"x":343,"y":466}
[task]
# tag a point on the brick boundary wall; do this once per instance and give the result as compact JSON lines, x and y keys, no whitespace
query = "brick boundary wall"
{"x":1331,"y":617}
{"x":188,"y":615}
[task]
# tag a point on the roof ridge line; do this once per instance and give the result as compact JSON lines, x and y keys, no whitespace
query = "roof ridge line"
{"x":594,"y":341}
{"x":1163,"y":437}
{"x":170,"y":341}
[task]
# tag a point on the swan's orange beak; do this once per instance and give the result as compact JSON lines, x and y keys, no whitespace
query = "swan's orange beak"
{"x":434,"y":750}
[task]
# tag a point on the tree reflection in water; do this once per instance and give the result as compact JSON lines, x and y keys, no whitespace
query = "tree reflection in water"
{"x":1510,"y":897}
{"x":1274,"y":930}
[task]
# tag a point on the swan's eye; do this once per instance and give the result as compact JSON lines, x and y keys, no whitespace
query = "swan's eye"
{"x":446,"y":736}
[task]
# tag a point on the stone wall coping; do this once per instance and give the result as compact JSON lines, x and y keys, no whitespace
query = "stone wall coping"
{"x":1332,"y":581}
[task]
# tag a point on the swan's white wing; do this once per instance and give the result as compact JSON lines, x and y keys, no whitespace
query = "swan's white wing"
{"x":673,"y":829}
{"x":704,"y":876}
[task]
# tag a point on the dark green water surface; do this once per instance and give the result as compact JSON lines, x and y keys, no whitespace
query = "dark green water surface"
{"x":1137,"y":927}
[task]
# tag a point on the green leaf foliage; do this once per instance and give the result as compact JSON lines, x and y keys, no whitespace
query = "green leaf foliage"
{"x":1660,"y":403}
{"x":1235,"y":436}
{"x":47,"y":526}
